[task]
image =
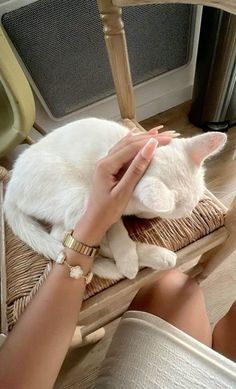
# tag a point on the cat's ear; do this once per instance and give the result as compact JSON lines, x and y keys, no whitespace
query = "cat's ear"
{"x":203,"y":146}
{"x":155,"y":195}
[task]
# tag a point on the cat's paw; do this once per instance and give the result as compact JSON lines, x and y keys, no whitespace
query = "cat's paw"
{"x":155,"y":257}
{"x":169,"y":259}
{"x":128,"y":266}
{"x":123,"y":250}
{"x":106,"y":268}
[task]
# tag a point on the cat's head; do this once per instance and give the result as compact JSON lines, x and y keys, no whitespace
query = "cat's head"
{"x":174,"y":182}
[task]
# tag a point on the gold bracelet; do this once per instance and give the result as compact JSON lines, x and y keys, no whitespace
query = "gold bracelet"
{"x":76,"y":272}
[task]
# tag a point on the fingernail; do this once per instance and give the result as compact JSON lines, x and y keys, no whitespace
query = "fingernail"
{"x":158,"y":127}
{"x":176,"y":135}
{"x":171,"y":133}
{"x":149,"y":149}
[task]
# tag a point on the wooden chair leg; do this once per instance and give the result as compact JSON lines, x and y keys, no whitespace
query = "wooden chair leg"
{"x":92,"y":338}
{"x":29,"y":140}
{"x":40,"y":129}
{"x":210,"y":260}
{"x":115,"y":39}
{"x":2,"y":339}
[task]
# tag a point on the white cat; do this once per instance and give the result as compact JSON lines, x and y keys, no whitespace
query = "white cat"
{"x":51,"y":182}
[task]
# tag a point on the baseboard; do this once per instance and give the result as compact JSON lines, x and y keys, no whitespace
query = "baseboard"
{"x":108,"y":108}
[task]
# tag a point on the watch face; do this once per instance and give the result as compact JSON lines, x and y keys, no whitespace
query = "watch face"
{"x":61,"y":257}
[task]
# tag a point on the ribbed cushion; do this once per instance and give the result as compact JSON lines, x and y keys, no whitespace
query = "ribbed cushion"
{"x":26,"y":270}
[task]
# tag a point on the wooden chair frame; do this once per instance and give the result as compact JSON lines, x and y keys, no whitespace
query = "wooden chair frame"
{"x":114,"y":34}
{"x":17,"y":107}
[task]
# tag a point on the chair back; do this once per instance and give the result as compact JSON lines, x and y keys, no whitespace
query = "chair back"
{"x":17,"y":107}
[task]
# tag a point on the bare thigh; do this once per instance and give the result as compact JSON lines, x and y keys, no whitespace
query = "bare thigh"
{"x":177,"y":299}
{"x":224,"y":335}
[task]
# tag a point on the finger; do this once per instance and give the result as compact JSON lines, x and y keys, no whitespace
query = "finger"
{"x":153,"y":132}
{"x":164,"y":140}
{"x":173,"y":134}
{"x":121,"y":142}
{"x":130,"y":139}
{"x":126,"y":139}
{"x":123,"y":156}
{"x":137,"y":168}
{"x":157,"y":128}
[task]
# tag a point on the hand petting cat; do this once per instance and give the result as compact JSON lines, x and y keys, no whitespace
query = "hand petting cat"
{"x":115,"y":178}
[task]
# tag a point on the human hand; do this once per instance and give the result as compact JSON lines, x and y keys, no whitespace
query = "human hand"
{"x":114,"y":180}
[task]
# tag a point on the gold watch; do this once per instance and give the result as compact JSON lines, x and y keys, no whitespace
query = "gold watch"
{"x":73,"y":244}
{"x":76,"y":271}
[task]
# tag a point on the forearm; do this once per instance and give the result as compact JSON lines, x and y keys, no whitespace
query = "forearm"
{"x":34,"y":351}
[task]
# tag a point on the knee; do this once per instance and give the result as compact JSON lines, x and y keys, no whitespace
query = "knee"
{"x":176,"y":283}
{"x":172,"y":288}
{"x":177,"y":299}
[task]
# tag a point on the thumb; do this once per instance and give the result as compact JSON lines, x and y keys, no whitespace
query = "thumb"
{"x":138,"y":167}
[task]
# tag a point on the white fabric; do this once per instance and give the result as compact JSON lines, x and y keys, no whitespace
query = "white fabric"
{"x":147,"y":352}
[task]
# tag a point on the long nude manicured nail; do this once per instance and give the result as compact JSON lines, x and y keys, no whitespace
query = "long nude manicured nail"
{"x":158,"y":127}
{"x":170,"y":134}
{"x":149,"y":149}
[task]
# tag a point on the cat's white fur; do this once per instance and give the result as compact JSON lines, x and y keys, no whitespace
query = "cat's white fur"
{"x":51,"y":182}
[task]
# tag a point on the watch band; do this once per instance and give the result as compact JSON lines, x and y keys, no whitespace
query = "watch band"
{"x":70,"y":242}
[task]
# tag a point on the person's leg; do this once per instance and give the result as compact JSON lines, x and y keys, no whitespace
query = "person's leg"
{"x":224,"y":335}
{"x":177,"y":299}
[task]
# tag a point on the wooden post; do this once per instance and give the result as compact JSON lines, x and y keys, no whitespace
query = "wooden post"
{"x":114,"y":34}
{"x":79,"y":340}
{"x":211,"y":259}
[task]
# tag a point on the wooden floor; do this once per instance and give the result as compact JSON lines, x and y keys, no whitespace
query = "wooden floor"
{"x":81,"y":365}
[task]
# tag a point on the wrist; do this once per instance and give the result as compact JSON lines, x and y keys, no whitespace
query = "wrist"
{"x":76,"y":259}
{"x":90,"y":229}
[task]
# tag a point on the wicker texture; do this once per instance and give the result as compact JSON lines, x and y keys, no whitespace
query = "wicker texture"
{"x":27,"y":270}
{"x":178,"y":233}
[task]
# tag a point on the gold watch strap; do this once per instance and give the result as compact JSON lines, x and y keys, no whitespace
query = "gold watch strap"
{"x":73,"y":244}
